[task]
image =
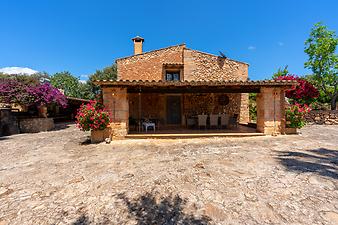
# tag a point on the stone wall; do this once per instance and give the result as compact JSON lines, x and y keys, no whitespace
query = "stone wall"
{"x":208,"y":104}
{"x":327,"y":117}
{"x":34,"y":125}
{"x":149,"y":66}
{"x":204,"y":66}
{"x":151,"y":105}
{"x":8,"y":122}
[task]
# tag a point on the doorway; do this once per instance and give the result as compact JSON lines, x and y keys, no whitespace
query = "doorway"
{"x":173,"y":109}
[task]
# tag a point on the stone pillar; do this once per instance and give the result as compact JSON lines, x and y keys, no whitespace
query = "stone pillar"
{"x":244,"y":108}
{"x":116,"y":102}
{"x":270,"y":111}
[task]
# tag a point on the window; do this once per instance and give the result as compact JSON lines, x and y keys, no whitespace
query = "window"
{"x":172,"y":75}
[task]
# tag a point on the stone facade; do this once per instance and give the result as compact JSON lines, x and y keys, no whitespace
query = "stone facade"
{"x":196,"y":65}
{"x":327,"y":117}
{"x":203,"y":66}
{"x":149,"y":66}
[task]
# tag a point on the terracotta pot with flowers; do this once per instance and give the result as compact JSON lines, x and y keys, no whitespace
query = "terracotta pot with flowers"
{"x":295,"y":117}
{"x":94,"y":118}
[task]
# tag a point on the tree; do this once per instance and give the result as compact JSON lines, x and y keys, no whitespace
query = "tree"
{"x":33,"y":79}
{"x":72,"y":86}
{"x":108,"y":73}
{"x":323,"y":60}
{"x":281,"y":72}
{"x":322,"y":98}
{"x":85,"y":90}
{"x":67,"y":82}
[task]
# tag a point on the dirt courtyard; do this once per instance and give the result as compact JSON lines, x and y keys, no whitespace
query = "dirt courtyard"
{"x":57,"y":178}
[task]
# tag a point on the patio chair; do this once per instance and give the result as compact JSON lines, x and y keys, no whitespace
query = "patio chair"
{"x":190,"y":122}
{"x":202,"y":120}
{"x":224,"y":120}
{"x":233,"y":121}
{"x":214,"y":120}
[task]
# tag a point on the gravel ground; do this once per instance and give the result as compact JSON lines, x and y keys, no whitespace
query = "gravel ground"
{"x":58,"y":178}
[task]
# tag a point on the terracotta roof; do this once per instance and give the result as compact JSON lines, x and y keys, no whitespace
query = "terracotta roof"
{"x":160,"y":83}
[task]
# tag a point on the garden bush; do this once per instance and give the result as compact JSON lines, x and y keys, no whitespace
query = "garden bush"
{"x":15,"y":91}
{"x":295,"y":114}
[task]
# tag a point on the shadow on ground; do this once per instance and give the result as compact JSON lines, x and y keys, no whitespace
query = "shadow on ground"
{"x":86,"y":142}
{"x":321,"y":161}
{"x":147,"y":211}
{"x":62,"y":125}
{"x":4,"y":138}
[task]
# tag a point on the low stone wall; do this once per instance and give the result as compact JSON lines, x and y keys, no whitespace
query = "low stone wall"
{"x":8,"y":122}
{"x":327,"y":117}
{"x":34,"y":125}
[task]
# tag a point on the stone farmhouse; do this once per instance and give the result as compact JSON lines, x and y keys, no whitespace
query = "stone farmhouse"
{"x":173,"y":85}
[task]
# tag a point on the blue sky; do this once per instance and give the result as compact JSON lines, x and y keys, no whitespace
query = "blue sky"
{"x":82,"y":36}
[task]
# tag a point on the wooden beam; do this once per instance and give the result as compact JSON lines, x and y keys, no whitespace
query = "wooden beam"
{"x":193,"y":90}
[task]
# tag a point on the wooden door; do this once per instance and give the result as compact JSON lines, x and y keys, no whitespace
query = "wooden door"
{"x":173,"y":109}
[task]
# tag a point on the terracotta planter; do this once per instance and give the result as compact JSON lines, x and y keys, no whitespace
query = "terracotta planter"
{"x":42,"y":111}
{"x":97,"y":136}
{"x":291,"y":130}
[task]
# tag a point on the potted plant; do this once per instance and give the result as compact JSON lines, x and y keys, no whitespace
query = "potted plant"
{"x":94,"y":118}
{"x":295,"y":117}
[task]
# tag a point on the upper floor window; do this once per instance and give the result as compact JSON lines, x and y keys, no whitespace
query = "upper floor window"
{"x":172,"y":75}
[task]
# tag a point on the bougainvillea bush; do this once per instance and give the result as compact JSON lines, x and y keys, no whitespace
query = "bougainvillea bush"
{"x":295,"y":115}
{"x":14,"y":91}
{"x":303,"y":93}
{"x":92,"y":116}
{"x":299,"y":99}
{"x":45,"y":94}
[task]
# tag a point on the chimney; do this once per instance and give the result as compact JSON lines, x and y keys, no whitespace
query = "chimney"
{"x":138,"y":42}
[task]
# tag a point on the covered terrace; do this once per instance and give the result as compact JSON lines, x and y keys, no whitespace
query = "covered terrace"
{"x":172,"y":105}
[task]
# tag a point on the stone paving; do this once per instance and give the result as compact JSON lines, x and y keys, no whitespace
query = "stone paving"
{"x":58,"y":178}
